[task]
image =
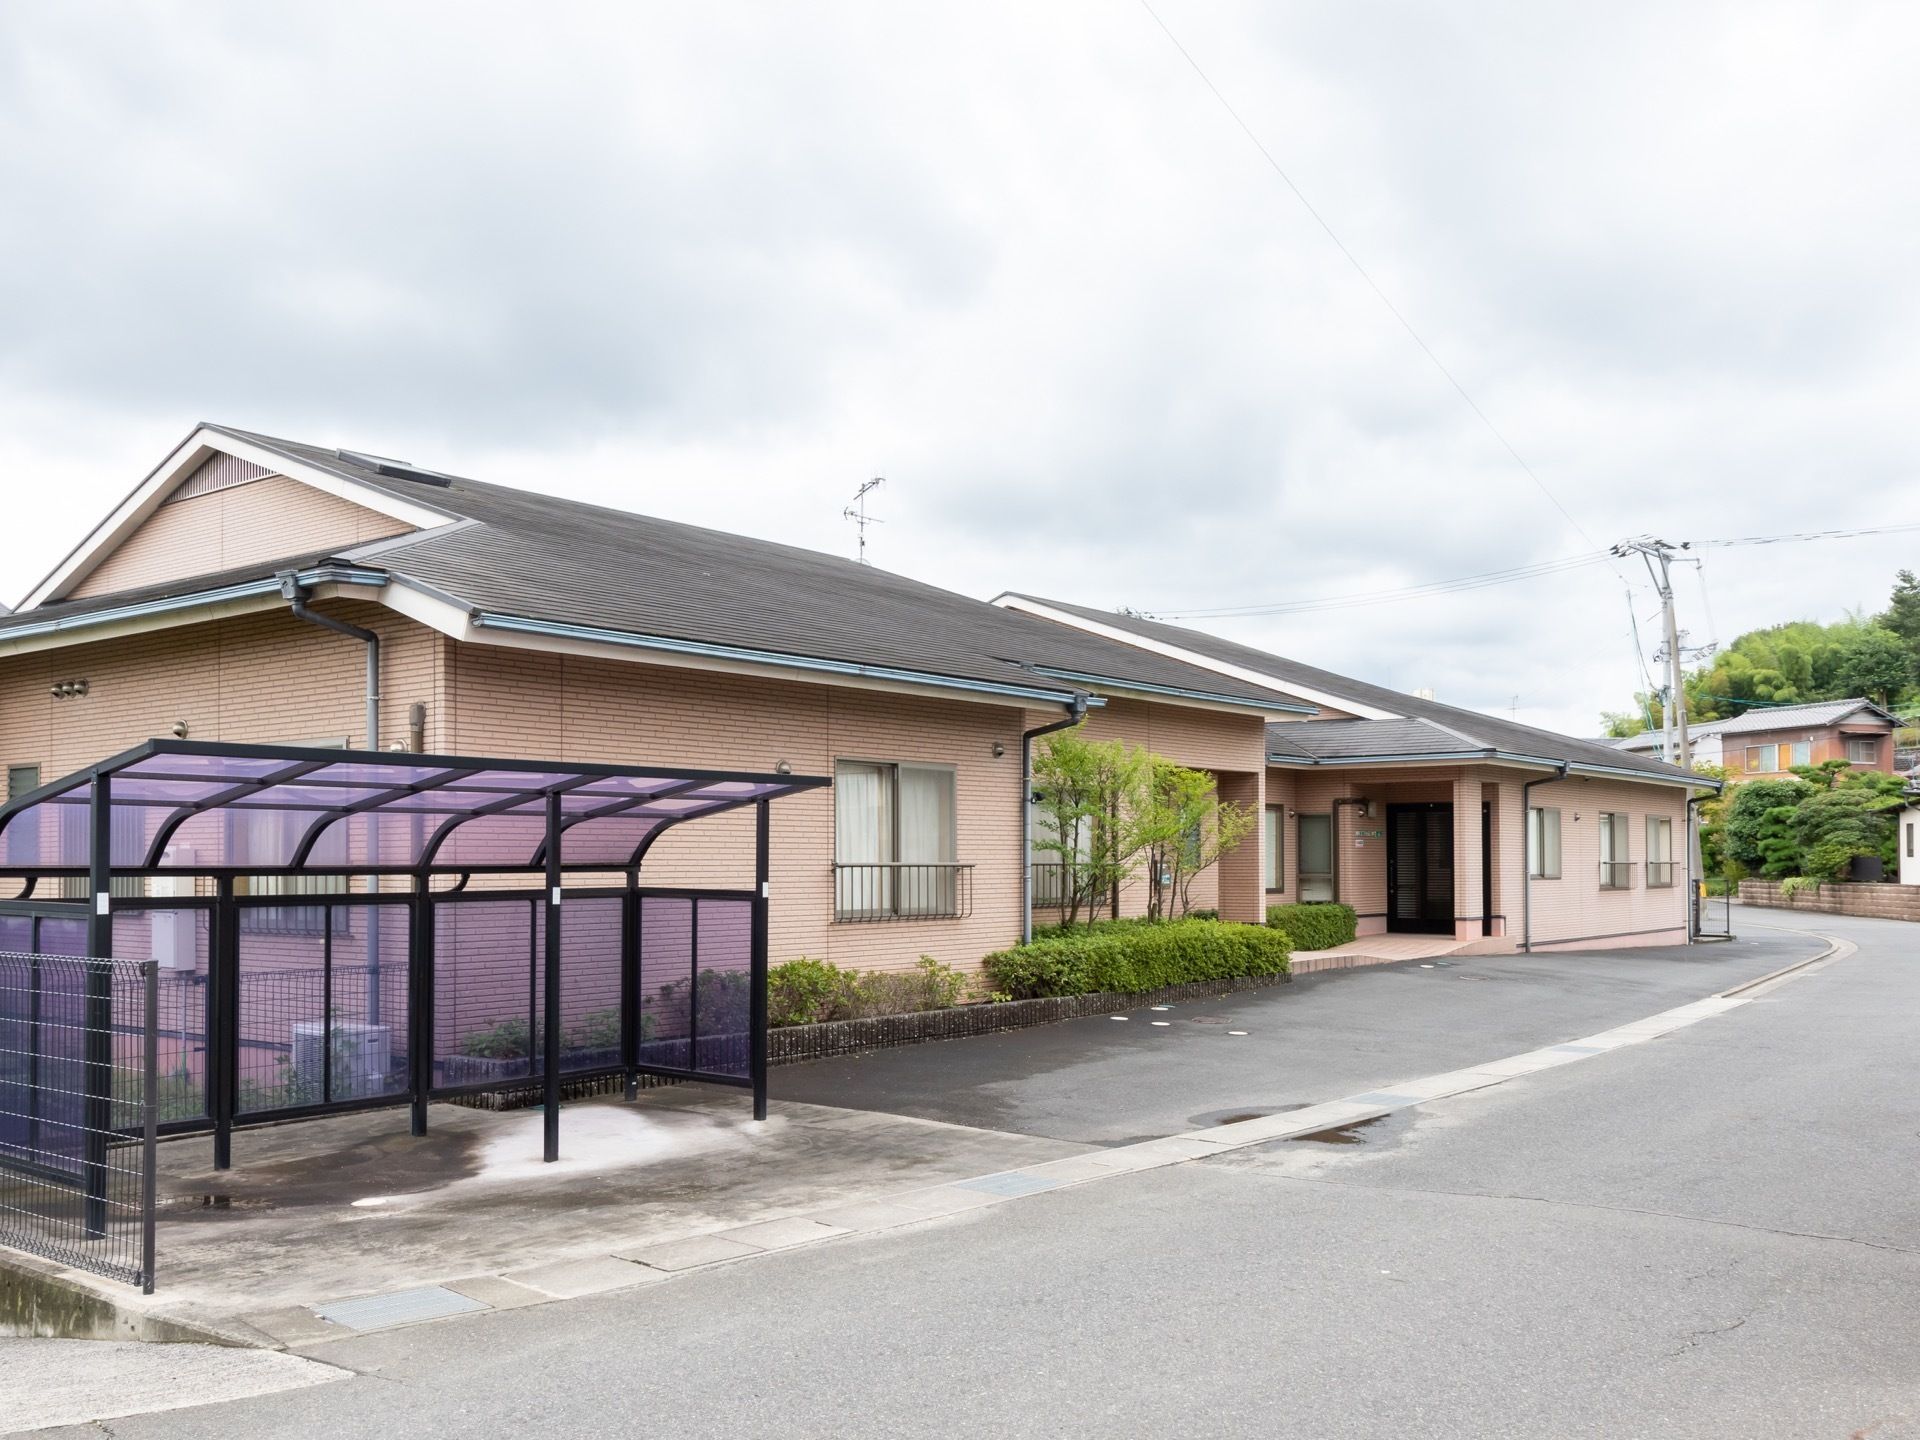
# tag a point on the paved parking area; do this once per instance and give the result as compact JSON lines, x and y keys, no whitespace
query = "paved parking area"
{"x":1105,"y":1081}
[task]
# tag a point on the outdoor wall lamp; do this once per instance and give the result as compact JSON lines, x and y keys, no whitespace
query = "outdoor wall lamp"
{"x":782,"y":767}
{"x":179,"y":729}
{"x":999,"y":749}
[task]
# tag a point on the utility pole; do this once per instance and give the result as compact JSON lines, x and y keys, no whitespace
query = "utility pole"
{"x":1658,"y":556}
{"x":857,"y":512}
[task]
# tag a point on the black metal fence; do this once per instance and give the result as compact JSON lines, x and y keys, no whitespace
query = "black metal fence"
{"x":78,"y":1113}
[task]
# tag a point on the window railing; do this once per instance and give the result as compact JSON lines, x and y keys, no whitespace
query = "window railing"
{"x":1616,"y":874}
{"x":882,"y":890}
{"x":1049,"y":884}
{"x":1660,"y":874}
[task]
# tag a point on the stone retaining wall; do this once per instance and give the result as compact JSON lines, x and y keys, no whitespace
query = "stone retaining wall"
{"x":1837,"y":897}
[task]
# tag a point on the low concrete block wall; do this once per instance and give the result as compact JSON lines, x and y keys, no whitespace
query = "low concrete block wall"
{"x":1835,"y":897}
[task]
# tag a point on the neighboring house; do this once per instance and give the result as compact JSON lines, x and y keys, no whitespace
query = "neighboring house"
{"x":1431,"y":819}
{"x":1770,"y":740}
{"x":1909,"y":838}
{"x":517,"y":624}
{"x":1703,"y":740}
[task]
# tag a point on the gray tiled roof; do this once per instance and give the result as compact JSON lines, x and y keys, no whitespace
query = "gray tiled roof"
{"x":1790,"y":717}
{"x":1469,"y":730}
{"x":543,"y":558}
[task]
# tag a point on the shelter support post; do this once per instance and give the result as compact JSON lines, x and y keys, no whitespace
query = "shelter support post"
{"x":551,"y":1030}
{"x":420,"y":986}
{"x":757,"y":1021}
{"x":223,"y":1034}
{"x":98,"y":1067}
{"x":630,"y":984}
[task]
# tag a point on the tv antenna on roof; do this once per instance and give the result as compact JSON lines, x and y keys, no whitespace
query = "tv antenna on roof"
{"x":857,"y":512}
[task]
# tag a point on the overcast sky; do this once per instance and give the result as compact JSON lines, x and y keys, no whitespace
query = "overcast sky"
{"x":723,"y":262}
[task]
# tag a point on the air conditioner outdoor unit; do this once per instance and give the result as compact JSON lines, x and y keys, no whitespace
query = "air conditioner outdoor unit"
{"x":362,"y":1057}
{"x":172,"y":933}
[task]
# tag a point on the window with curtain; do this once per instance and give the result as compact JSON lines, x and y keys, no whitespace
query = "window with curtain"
{"x":1615,"y":873}
{"x":894,"y":843}
{"x":1273,"y":855}
{"x":1802,"y":752}
{"x":1659,"y":850}
{"x":1762,"y":759}
{"x":1863,"y":750}
{"x":1543,"y":843}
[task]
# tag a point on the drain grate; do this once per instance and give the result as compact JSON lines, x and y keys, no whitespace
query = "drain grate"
{"x":403,"y":1307}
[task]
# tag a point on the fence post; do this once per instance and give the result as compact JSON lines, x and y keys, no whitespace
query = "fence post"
{"x":98,"y":1041}
{"x":757,"y":964}
{"x":551,"y":1078}
{"x":630,"y":984}
{"x":420,"y":987}
{"x":223,"y":1039}
{"x":150,"y":1121}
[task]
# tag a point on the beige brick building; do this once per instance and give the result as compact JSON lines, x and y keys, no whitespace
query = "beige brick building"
{"x":513,"y":624}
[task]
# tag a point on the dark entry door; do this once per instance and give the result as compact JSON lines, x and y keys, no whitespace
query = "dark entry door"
{"x":1420,"y":869}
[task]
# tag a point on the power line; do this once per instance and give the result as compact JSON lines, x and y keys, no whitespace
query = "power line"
{"x":1486,"y":578}
{"x":1374,"y":286}
{"x":1806,"y":535}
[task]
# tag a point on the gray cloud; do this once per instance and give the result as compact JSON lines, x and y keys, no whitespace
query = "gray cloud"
{"x":723,"y":263}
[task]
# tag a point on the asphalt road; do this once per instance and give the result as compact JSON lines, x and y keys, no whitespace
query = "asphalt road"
{"x":1712,"y":1234}
{"x":1103,"y":1081}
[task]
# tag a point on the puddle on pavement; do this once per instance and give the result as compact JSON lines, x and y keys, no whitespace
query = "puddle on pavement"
{"x":1234,"y":1117}
{"x":1340,"y":1134}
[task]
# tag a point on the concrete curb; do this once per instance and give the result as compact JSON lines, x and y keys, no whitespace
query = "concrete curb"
{"x":1837,"y":949}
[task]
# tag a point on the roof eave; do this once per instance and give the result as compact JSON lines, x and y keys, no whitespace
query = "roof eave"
{"x":1504,"y":757}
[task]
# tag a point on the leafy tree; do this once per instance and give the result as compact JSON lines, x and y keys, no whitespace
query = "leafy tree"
{"x":1872,"y":662}
{"x":1619,"y":724}
{"x":1085,"y":789}
{"x":1903,"y":610}
{"x":1182,"y":828}
{"x":1829,"y":828}
{"x":1744,"y":830}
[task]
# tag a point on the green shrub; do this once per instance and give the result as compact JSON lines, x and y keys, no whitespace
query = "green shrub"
{"x":1794,"y":884}
{"x":1125,"y":959}
{"x":811,"y":992}
{"x":1314,"y":927}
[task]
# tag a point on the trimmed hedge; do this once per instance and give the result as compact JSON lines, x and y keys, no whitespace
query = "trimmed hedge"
{"x":1127,"y":959}
{"x":1314,"y":927}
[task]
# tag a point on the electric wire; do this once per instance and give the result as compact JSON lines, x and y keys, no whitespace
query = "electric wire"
{"x":1374,"y":285}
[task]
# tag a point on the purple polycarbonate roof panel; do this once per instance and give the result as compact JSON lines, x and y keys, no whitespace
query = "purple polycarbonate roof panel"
{"x":299,"y":792}
{"x":490,"y":813}
{"x":505,"y":780}
{"x":182,"y":792}
{"x":355,"y":772}
{"x":493,"y":840}
{"x":631,"y":785}
{"x":610,"y":840}
{"x":231,"y":767}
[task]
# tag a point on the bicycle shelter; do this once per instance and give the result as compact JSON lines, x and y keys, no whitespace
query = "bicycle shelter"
{"x":285,"y":992}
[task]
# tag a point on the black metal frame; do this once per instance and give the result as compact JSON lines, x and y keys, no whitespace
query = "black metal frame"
{"x":223,"y":969}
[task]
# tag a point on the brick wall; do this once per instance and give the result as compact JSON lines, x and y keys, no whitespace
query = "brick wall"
{"x":1574,"y":907}
{"x":1881,"y":902}
{"x":269,"y":678}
